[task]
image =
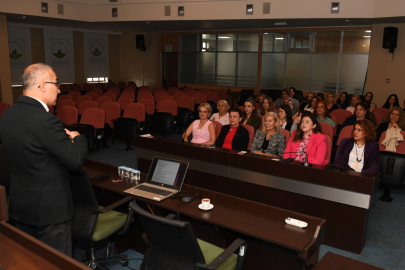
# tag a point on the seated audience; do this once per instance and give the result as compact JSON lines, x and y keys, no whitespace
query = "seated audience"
{"x":330,"y":98}
{"x":395,"y":118}
{"x":222,"y":115}
{"x":289,"y":102}
{"x":320,"y":96}
{"x":233,"y":136}
{"x":311,"y":105}
{"x":269,"y":141}
{"x":261,"y":98}
{"x":359,"y":153}
{"x":295,"y":102}
{"x":266,"y":106}
{"x":369,"y":97}
{"x":249,"y":115}
{"x":307,"y":140}
{"x":297,"y":118}
{"x":343,"y":101}
{"x":292,"y":92}
{"x":354,"y":100}
{"x":392,"y":101}
{"x":280,"y":101}
{"x":322,"y":113}
{"x":305,"y":103}
{"x":203,"y":130}
{"x":362,"y":112}
{"x":286,"y":121}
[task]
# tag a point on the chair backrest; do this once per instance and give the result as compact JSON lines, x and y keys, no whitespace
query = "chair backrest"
{"x":132,"y":83}
{"x":382,"y":111}
{"x":62,"y":97}
{"x":188,"y":89}
{"x":171,"y":89}
{"x":111,"y":84}
{"x":93,"y":95}
{"x":335,"y":121}
{"x":159,"y":94}
{"x":88,"y":87}
{"x":203,"y":90}
{"x":222,"y":94}
{"x":63,"y":88}
{"x":341,"y":115}
{"x":94,"y":117}
{"x":170,"y":242}
{"x":186,"y":102}
{"x":191,"y":92}
{"x":143,"y":95}
{"x":114,"y":90}
{"x":175,"y":91}
{"x":124,"y":101}
{"x":161,"y":98}
{"x":68,"y":115}
{"x":157,"y":89}
{"x":257,"y":105}
{"x":130,"y":88}
{"x":74,"y":94}
{"x":242,"y":108}
{"x":112,"y":112}
{"x":122,"y":85}
{"x":144,"y":88}
{"x":261,"y":121}
{"x":392,"y":168}
{"x":329,"y":153}
{"x":199,"y":98}
{"x":378,"y":118}
{"x":101,"y":86}
{"x":149,"y":105}
{"x":80,"y":99}
{"x":251,"y":131}
{"x":65,"y":102}
{"x":218,"y":127}
{"x":111,"y":95}
{"x":345,"y":133}
{"x":136,"y":111}
{"x":327,"y":129}
{"x":87,"y":104}
{"x":103,"y":99}
{"x":401,"y":145}
{"x":287,"y":135}
{"x":3,"y":107}
{"x":176,"y":96}
{"x":169,"y":106}
{"x":212,"y":96}
{"x":128,"y":95}
{"x":75,"y":87}
{"x":98,"y":91}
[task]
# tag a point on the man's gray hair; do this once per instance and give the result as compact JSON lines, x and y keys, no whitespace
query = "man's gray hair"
{"x":33,"y":74}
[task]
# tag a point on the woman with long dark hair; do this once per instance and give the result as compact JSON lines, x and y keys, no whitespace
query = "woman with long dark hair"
{"x":392,"y":101}
{"x":249,"y":115}
{"x":343,"y":100}
{"x":286,"y":121}
{"x":361,"y":112}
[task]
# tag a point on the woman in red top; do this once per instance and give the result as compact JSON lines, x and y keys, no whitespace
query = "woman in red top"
{"x":233,"y":136}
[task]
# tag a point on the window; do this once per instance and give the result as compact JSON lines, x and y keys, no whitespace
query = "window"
{"x":97,"y":80}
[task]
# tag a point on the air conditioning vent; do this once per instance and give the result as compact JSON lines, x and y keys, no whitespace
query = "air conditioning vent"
{"x":60,"y":9}
{"x":113,"y":1}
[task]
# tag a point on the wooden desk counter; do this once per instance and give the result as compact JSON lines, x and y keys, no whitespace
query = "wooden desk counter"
{"x":254,"y":222}
{"x":332,"y":261}
{"x":343,"y":198}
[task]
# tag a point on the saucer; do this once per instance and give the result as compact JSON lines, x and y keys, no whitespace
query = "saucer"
{"x":205,"y":209}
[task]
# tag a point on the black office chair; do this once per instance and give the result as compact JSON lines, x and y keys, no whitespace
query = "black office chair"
{"x":171,"y":244}
{"x":392,"y":168}
{"x":125,"y":128}
{"x":244,"y":95}
{"x":162,"y":123}
{"x":92,"y":224}
{"x":184,"y":118}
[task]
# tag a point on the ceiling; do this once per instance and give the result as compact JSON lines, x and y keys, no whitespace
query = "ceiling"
{"x":206,"y":25}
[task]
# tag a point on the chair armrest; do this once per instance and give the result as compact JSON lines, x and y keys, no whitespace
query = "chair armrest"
{"x":225,"y":255}
{"x":112,"y":206}
{"x":172,"y":216}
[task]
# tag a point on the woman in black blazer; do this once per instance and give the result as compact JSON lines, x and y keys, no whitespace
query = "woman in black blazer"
{"x":234,"y":136}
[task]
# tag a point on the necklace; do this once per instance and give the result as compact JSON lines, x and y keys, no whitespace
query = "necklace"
{"x":357,"y":157}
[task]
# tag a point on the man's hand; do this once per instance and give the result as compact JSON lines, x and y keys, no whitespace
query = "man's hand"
{"x":72,"y":134}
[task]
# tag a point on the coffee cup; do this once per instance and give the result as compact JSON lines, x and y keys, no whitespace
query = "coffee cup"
{"x":205,"y":203}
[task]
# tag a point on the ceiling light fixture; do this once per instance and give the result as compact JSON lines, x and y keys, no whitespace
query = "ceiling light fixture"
{"x":279,"y":38}
{"x":368,"y":31}
{"x":224,"y":37}
{"x":367,"y":36}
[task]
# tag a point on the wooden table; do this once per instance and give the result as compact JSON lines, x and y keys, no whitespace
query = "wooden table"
{"x":332,"y":261}
{"x":342,"y":199}
{"x":271,"y":243}
{"x":19,"y":250}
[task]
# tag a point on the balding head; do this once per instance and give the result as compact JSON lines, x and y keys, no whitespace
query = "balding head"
{"x":34,"y":74}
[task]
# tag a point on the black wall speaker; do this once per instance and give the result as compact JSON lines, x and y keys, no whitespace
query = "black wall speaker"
{"x":390,"y":37}
{"x":140,"y":42}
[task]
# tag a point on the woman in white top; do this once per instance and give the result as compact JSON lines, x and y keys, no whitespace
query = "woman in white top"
{"x":310,"y":106}
{"x":222,"y":115}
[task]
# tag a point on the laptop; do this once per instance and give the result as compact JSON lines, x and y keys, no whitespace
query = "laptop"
{"x":165,"y":178}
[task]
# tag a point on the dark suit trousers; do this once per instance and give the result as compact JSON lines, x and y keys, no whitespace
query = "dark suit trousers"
{"x":58,"y":236}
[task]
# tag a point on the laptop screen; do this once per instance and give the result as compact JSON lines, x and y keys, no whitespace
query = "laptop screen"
{"x":167,"y":172}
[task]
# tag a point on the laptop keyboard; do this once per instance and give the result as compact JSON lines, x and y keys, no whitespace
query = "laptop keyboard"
{"x":154,"y":190}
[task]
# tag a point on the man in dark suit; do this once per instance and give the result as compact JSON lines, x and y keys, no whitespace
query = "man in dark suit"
{"x":41,"y":153}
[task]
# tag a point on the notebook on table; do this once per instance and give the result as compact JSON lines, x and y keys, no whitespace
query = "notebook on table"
{"x":165,"y":178}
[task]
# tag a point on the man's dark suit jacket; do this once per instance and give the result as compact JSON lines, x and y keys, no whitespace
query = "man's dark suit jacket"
{"x":240,"y":141}
{"x":40,"y":154}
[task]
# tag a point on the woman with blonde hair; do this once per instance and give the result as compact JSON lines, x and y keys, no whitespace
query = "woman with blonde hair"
{"x":331,"y":105}
{"x":222,"y":116}
{"x":203,"y":129}
{"x":269,"y":140}
{"x":395,"y":118}
{"x":353,"y":101}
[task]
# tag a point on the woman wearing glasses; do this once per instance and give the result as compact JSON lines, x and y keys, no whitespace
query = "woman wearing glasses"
{"x":322,"y":113}
{"x":203,"y":130}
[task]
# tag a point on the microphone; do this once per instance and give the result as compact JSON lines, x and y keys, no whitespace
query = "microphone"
{"x":306,"y":164}
{"x":229,"y":88}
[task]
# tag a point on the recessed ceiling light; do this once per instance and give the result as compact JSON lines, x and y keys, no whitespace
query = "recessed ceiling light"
{"x":364,"y":45}
{"x":368,"y":31}
{"x":224,"y":37}
{"x":279,"y":38}
{"x":367,"y":36}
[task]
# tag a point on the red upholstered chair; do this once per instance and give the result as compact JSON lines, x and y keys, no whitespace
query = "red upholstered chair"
{"x":133,"y":120}
{"x":382,"y":111}
{"x":93,"y":95}
{"x":191,"y":92}
{"x":114,"y":90}
{"x":186,"y":102}
{"x":68,"y":115}
{"x":185,"y":112}
{"x":335,"y":121}
{"x":75,"y":87}
{"x":218,"y":127}
{"x":128,"y":95}
{"x":341,"y":115}
{"x":101,"y":100}
{"x":124,"y":101}
{"x":161,"y":98}
{"x":345,"y":133}
{"x":149,"y":105}
{"x":261,"y":121}
{"x":188,"y":89}
{"x":257,"y":105}
{"x":159,"y":94}
{"x":176,"y":96}
{"x":373,"y":106}
{"x":50,"y":109}
{"x":158,"y":89}
{"x":199,"y":98}
{"x":111,"y":95}
{"x":171,"y":89}
{"x":165,"y":118}
{"x":378,"y":118}
{"x":212,"y":96}
{"x":131,"y":89}
{"x":63,"y":97}
{"x":111,"y":84}
{"x":133,"y":84}
{"x":145,"y":95}
{"x":101,"y":86}
{"x":136,"y":111}
{"x":169,"y":106}
{"x":222,"y":94}
{"x":80,"y":99}
{"x":242,"y":108}
{"x":88,"y":87}
{"x":65,"y":102}
{"x":203,"y":90}
{"x":3,"y":107}
{"x":112,"y":112}
{"x":122,"y":85}
{"x":63,"y":88}
{"x":251,"y":131}
{"x":400,"y":147}
{"x":144,"y":88}
{"x":327,"y":129}
{"x":127,"y":91}
{"x":74,"y":94}
{"x":86,"y":105}
{"x":329,"y":153}
{"x":98,"y":91}
{"x":94,"y":119}
{"x":287,"y":135}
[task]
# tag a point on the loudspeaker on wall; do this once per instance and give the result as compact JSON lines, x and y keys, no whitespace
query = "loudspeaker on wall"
{"x":390,"y":38}
{"x":140,"y":42}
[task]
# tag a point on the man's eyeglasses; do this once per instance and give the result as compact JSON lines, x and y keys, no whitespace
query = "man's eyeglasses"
{"x":55,"y":83}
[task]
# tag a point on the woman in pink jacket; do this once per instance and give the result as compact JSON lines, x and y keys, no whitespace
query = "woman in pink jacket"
{"x":307,"y":140}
